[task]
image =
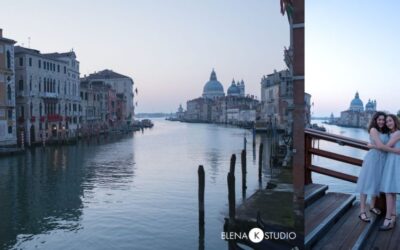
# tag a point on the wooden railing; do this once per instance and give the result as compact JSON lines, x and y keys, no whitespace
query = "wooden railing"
{"x":311,"y":134}
{"x":310,"y":150}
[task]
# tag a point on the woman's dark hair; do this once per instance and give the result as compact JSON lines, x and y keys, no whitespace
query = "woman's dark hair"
{"x":374,"y":124}
{"x":396,"y":121}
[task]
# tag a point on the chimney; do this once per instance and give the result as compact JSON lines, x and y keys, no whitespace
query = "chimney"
{"x":1,"y":33}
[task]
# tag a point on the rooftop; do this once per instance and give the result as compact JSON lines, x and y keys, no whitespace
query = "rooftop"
{"x":105,"y":74}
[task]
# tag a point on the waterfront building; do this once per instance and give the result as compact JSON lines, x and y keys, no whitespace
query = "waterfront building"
{"x":276,"y":99}
{"x":198,"y":110}
{"x":216,"y":107}
{"x":123,"y":85}
{"x":7,"y":92}
{"x":180,"y":114}
{"x":357,"y":116}
{"x":47,"y":95}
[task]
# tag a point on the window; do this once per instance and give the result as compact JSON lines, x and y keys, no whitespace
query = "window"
{"x":10,"y":114}
{"x":40,"y":63}
{"x":30,"y":83}
{"x":40,"y":84}
{"x":22,"y":110}
{"x":58,"y":68}
{"x":21,"y":85}
{"x":10,"y":130}
{"x":8,"y":59}
{"x":86,"y":96}
{"x":31,"y":109}
{"x":65,"y":70}
{"x":9,"y":92}
{"x":21,"y":61}
{"x":30,"y":61}
{"x":40,"y":109}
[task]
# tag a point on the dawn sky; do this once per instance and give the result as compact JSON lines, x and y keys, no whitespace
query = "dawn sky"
{"x":168,"y":47}
{"x":352,"y":46}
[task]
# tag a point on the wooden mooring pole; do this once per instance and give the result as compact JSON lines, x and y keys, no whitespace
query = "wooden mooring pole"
{"x":260,"y":160}
{"x":201,"y":174}
{"x":231,"y":189}
{"x":244,"y":171}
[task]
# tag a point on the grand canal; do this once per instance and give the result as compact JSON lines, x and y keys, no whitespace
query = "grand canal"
{"x":134,"y":192}
{"x":336,"y":185}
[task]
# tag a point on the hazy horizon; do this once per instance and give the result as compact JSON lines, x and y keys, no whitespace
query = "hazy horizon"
{"x":168,"y":48}
{"x":351,"y":46}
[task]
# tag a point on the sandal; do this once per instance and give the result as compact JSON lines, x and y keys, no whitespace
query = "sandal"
{"x":375,"y":211}
{"x":388,"y":226}
{"x":365,"y":218}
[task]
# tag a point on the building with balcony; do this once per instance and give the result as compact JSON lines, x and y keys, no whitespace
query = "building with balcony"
{"x":7,"y":92}
{"x":47,"y":95}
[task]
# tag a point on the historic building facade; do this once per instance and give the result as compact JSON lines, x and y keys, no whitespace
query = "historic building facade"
{"x":357,"y":115}
{"x":7,"y":92}
{"x":216,"y":107}
{"x":276,"y":99}
{"x":123,"y":86}
{"x":47,"y":95}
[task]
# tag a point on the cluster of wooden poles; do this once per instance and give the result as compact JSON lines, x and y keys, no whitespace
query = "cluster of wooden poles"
{"x":231,"y":187}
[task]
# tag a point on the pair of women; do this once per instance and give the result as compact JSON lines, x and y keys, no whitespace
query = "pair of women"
{"x":380,"y":171}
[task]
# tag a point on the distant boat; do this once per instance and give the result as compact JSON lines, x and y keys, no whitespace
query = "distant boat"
{"x":146,"y":123}
{"x":320,"y":128}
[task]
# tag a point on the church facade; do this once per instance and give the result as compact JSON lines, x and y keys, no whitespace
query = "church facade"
{"x":216,"y":107}
{"x":357,"y":115}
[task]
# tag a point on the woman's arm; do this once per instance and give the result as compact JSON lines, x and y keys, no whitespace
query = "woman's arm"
{"x":388,"y":147}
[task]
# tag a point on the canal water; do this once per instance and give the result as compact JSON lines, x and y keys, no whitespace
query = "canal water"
{"x":336,"y":185}
{"x":134,"y":192}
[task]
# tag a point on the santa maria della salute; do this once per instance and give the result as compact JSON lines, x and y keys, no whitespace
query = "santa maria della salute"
{"x":357,"y":115}
{"x":234,"y":107}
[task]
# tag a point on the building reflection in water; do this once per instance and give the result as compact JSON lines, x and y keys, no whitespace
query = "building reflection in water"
{"x":43,"y":189}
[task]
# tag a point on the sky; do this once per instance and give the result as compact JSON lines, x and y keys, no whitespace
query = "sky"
{"x":352,"y":46}
{"x":168,"y":47}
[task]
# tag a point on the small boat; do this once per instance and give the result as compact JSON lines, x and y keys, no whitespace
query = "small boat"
{"x":320,"y":128}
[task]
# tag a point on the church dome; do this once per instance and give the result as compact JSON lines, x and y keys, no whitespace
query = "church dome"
{"x":213,"y":88}
{"x":356,"y":104}
{"x":370,"y":106}
{"x":233,"y":90}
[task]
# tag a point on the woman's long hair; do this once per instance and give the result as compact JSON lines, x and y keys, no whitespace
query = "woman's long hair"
{"x":374,"y":124}
{"x":396,"y":121}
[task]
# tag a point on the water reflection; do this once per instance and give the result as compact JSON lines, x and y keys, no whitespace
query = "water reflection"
{"x":118,"y":192}
{"x":37,"y":197}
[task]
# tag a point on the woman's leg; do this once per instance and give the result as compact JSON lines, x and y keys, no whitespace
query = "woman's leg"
{"x":373,"y":199}
{"x":394,"y":206}
{"x":389,"y":208}
{"x":363,"y":201}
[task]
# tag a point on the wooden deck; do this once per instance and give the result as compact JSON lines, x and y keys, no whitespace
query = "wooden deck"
{"x":331,"y":222}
